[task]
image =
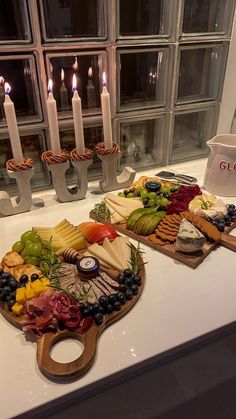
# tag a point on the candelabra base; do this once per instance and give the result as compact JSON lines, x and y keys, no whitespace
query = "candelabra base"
{"x":110,"y":181}
{"x":63,"y":192}
{"x":23,"y":200}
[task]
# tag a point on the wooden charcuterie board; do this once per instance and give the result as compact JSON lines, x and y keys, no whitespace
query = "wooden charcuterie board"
{"x":79,"y":366}
{"x":193,"y":259}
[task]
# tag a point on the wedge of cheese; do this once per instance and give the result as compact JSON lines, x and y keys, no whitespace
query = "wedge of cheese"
{"x":125,"y":247}
{"x":189,"y":239}
{"x":115,"y":255}
{"x":130,"y":203}
{"x":102,"y":255}
{"x":115,"y":217}
{"x":124,"y":212}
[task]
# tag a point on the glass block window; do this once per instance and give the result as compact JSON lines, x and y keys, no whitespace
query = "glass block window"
{"x":151,"y":18}
{"x":20,"y":72}
{"x":14,"y":23}
{"x":200,"y":72}
{"x":142,"y":78}
{"x":88,"y":68}
{"x":165,"y":65}
{"x":208,"y":16}
{"x":191,"y":131}
{"x":73,"y":19}
{"x":142,"y":141}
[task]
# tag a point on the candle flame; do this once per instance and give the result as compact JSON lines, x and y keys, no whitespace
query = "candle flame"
{"x":75,"y":65}
{"x":50,"y":86}
{"x":7,"y":88}
{"x":104,"y":79}
{"x":90,"y":72}
{"x":62,"y":75}
{"x":2,"y":80}
{"x":74,"y":83}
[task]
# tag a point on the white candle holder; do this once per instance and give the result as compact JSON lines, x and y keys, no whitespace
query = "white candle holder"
{"x":23,"y":201}
{"x":58,"y":170}
{"x":109,"y":158}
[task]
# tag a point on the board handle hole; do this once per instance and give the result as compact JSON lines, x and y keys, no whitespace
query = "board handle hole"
{"x":66,"y":350}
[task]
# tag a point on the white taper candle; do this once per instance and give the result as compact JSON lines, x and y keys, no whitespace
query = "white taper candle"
{"x":52,"y":121}
{"x":12,"y":126}
{"x":106,"y":114}
{"x":78,"y":119}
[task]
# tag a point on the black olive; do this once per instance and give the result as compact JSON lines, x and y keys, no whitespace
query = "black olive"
{"x":127,"y":273}
{"x":24,"y":279}
{"x":98,"y":318}
{"x":129,"y":294}
{"x":103,"y":300}
{"x":112,"y":299}
{"x":34,"y":277}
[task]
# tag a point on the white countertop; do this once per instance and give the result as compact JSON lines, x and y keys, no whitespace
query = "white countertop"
{"x":177,"y":305}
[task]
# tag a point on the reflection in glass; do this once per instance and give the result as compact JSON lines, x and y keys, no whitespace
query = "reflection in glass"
{"x":199,"y":73}
{"x":12,"y":21}
{"x":204,"y":16}
{"x":32,"y":147}
{"x":146,"y":20}
{"x":86,"y":69}
{"x":73,"y":18}
{"x":142,"y":78}
{"x":20,"y":74}
{"x":141,"y":142}
{"x":191,"y":131}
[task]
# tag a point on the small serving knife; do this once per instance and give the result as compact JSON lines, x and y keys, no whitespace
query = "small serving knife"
{"x":185,"y":179}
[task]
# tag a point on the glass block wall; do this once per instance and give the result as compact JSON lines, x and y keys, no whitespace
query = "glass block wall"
{"x":165,"y":61}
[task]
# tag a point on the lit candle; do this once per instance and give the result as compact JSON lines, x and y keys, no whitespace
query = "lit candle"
{"x":78,"y":119}
{"x":52,"y":121}
{"x":106,"y":114}
{"x":75,"y":67}
{"x":91,"y":95}
{"x":63,"y":93}
{"x":12,"y":127}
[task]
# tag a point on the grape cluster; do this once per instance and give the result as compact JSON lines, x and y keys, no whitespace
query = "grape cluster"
{"x":35,"y":251}
{"x":8,"y":286}
{"x":153,"y":194}
{"x":128,"y":287}
{"x":221,"y":223}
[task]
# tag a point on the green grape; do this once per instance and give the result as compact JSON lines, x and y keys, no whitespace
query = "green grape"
{"x":32,"y":260}
{"x":164,"y":202}
{"x":18,"y":247}
{"x":122,"y":194}
{"x":165,"y":189}
{"x":130,"y":195}
{"x":27,"y":251}
{"x":36,"y":249}
{"x":144,"y":193}
{"x":152,"y":195}
{"x":152,"y":203}
{"x":158,"y":201}
{"x":29,"y":235}
{"x":44,"y":266}
{"x":45,"y":253}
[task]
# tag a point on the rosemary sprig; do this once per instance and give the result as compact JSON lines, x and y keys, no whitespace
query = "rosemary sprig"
{"x":135,"y":259}
{"x":102,"y":211}
{"x":78,"y":297}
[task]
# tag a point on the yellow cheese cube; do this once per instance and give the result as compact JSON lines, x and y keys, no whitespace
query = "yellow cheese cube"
{"x":36,"y":283}
{"x":17,"y":309}
{"x":45,"y":281}
{"x":38,"y":290}
{"x":29,"y":293}
{"x":20,"y":295}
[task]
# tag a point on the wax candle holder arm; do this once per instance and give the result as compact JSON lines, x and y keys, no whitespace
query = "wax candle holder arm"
{"x":59,"y":164}
{"x":109,"y":158}
{"x":22,"y":173}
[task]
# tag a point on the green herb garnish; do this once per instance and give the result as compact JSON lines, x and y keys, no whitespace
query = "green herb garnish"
{"x":135,"y":259}
{"x":102,"y":211}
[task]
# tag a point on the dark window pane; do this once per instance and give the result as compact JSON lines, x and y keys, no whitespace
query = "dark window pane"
{"x":141,"y":142}
{"x":142,"y":78}
{"x":20,"y":74}
{"x":87,"y":73}
{"x":73,"y":18}
{"x":199,"y":74}
{"x":12,"y":20}
{"x":32,"y":146}
{"x":191,"y":131}
{"x":140,"y":17}
{"x":204,"y":15}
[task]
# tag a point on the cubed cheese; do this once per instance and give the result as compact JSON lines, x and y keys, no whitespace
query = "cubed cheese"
{"x":17,"y":309}
{"x":29,"y":293}
{"x":20,"y":295}
{"x":38,"y":290}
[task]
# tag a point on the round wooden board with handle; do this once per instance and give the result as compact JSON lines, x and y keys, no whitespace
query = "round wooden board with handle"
{"x":79,"y":366}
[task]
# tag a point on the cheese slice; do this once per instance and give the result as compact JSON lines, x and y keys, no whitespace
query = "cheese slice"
{"x":115,"y":217}
{"x":108,"y":247}
{"x":117,"y":249}
{"x":125,"y":249}
{"x":189,"y":239}
{"x":103,"y":255}
{"x":132,"y":203}
{"x":122,"y":211}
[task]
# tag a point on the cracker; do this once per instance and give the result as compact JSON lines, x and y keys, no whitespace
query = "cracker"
{"x":165,"y":237}
{"x":12,"y":259}
{"x":204,"y":226}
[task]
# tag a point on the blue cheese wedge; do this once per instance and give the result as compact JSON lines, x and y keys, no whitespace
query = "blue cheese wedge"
{"x":189,"y":239}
